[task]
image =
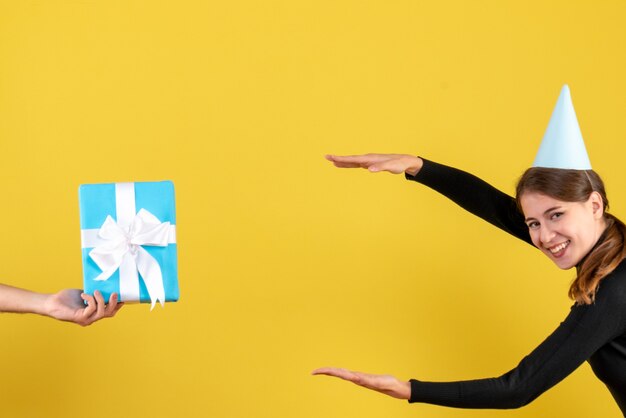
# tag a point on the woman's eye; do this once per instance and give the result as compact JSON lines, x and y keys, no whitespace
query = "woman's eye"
{"x":556,"y":215}
{"x":533,"y":225}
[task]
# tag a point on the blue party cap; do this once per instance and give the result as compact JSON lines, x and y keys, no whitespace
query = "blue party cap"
{"x":562,"y":145}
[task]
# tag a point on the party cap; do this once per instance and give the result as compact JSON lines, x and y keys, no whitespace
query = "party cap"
{"x":562,"y":145}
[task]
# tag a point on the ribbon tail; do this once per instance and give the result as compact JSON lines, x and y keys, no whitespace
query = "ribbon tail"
{"x":106,"y":274}
{"x":129,"y":280}
{"x":152,"y":276}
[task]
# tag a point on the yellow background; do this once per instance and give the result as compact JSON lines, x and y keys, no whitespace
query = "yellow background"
{"x":287,"y":264}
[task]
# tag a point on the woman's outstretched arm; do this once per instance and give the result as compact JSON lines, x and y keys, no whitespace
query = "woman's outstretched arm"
{"x":587,"y":329}
{"x":468,"y":191}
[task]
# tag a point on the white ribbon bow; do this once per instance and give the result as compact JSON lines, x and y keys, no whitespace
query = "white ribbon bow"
{"x":123,"y":248}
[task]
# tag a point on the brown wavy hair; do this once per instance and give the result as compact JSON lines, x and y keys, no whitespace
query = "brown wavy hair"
{"x":577,"y":186}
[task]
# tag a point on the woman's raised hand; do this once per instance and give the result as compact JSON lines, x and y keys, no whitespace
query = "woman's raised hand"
{"x":393,"y":163}
{"x":386,"y":384}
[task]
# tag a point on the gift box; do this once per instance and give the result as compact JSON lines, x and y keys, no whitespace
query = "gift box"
{"x":128,"y":237}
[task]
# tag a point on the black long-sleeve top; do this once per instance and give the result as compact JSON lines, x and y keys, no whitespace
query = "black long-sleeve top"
{"x":595,"y":333}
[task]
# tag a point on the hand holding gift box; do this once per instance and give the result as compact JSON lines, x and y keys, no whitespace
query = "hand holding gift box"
{"x":128,"y":236}
{"x":71,"y":305}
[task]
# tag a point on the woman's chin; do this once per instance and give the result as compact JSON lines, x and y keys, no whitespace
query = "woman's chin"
{"x":564,"y":263}
{"x":564,"y":266}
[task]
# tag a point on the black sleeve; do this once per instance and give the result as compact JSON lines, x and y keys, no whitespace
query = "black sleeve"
{"x":585,"y":330}
{"x":475,"y":196}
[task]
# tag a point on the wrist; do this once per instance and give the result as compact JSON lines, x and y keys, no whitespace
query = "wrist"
{"x":405,"y":392}
{"x":38,"y":303}
{"x":415,"y":165}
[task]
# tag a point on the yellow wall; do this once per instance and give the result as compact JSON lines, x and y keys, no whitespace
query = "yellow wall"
{"x":287,"y":264}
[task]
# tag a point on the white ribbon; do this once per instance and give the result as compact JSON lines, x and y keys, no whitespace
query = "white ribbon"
{"x":120,"y":246}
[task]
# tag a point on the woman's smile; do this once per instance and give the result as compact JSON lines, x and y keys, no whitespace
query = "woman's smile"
{"x":559,"y":249}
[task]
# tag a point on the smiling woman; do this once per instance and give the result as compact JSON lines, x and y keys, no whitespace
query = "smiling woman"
{"x":593,"y":332}
{"x":561,"y":208}
{"x":566,"y":215}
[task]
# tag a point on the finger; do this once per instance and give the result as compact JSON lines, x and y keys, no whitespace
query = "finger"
{"x":339,"y":162}
{"x":335,"y":372}
{"x":359,"y":159}
{"x":111,"y":306}
{"x":111,"y":311}
{"x":91,"y":305}
{"x":349,"y":165}
{"x":324,"y":370}
{"x":100,"y":305}
{"x":117,"y":308}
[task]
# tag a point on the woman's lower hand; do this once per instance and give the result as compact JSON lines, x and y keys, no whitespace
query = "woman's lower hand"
{"x":386,"y":384}
{"x":393,"y":163}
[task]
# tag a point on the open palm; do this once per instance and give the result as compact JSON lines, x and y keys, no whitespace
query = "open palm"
{"x":392,"y":163}
{"x":386,"y":384}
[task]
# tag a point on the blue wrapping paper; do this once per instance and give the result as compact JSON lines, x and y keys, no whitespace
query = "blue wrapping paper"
{"x":97,"y":202}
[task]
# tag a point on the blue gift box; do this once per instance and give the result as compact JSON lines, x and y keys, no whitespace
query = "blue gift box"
{"x":129,"y":230}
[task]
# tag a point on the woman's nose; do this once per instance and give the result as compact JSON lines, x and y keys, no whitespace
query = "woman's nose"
{"x":546,"y":234}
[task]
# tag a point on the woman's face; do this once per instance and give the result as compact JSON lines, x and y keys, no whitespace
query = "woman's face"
{"x":564,"y":231}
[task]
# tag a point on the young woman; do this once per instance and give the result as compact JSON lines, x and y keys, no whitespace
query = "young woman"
{"x":65,"y":305}
{"x":562,"y":213}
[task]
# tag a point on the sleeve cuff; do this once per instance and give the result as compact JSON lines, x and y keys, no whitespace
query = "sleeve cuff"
{"x":424,"y":171}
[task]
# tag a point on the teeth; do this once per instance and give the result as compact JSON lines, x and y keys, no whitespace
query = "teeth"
{"x":559,"y":247}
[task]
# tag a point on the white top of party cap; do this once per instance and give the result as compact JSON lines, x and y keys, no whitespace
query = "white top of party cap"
{"x":562,"y":145}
